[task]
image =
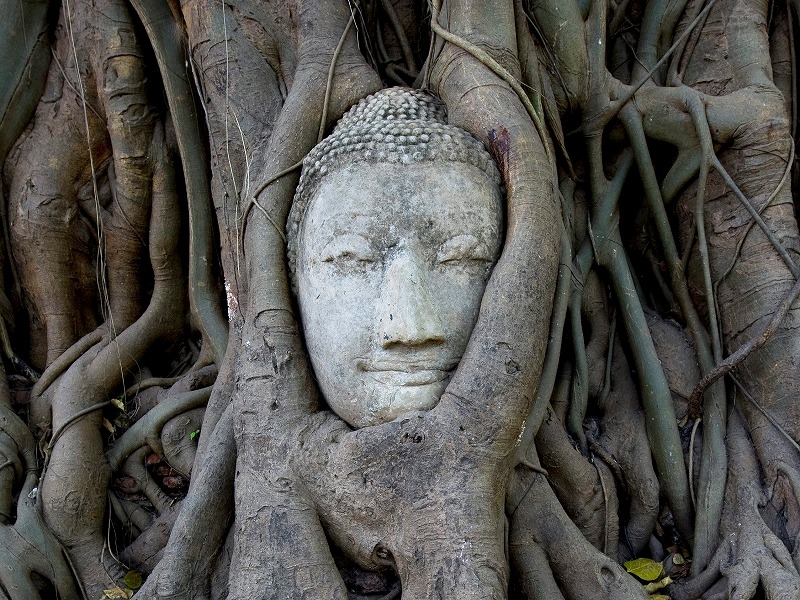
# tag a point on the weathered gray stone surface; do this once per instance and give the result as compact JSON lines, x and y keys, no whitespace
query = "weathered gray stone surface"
{"x":392,"y":263}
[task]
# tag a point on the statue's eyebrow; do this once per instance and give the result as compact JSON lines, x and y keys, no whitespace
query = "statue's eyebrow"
{"x":342,"y":223}
{"x":346,"y":241}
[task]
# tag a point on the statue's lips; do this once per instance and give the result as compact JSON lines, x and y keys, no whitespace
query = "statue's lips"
{"x":403,"y":373}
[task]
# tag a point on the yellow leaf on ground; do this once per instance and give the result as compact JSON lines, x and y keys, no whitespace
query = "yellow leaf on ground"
{"x":657,"y":585}
{"x":133,"y":579}
{"x":645,"y":569}
{"x":117,"y":594}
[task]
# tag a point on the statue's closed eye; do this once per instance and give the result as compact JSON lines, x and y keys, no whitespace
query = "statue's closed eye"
{"x":464,"y":249}
{"x":348,"y":249}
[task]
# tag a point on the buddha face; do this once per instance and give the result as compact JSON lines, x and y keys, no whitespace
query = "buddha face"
{"x":391,"y":267}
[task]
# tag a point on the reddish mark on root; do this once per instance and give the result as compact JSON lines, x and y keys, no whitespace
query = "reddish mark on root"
{"x":500,"y":145}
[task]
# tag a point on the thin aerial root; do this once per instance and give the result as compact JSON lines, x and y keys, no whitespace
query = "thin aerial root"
{"x":619,"y":16}
{"x":752,"y":224}
{"x":673,"y":77}
{"x":609,"y":459}
{"x":264,"y":186}
{"x":253,"y":201}
{"x":612,"y":333}
{"x":321,"y":133}
{"x":164,"y":382}
{"x":606,"y":506}
{"x":793,"y":63}
{"x":59,"y":432}
{"x":735,"y":359}
{"x":698,"y":114}
{"x":329,"y":83}
{"x":63,"y":362}
{"x":547,"y":380}
{"x":691,"y":461}
{"x":603,"y":119}
{"x":400,"y":33}
{"x":782,"y":252}
{"x":498,"y":70}
{"x":766,"y":414}
{"x":579,"y":400}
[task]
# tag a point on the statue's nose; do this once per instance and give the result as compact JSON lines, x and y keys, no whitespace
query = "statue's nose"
{"x":408,"y":314}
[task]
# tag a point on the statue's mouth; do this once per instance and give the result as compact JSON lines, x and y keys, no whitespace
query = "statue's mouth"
{"x":409,"y":373}
{"x":413,"y":378}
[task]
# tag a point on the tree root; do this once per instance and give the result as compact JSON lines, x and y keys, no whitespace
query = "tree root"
{"x":64,"y":361}
{"x":179,"y":440}
{"x":134,"y":468}
{"x":532,"y":567}
{"x":29,"y":547}
{"x":170,"y":54}
{"x":144,"y":552}
{"x":185,"y":570}
{"x":705,"y":580}
{"x":624,"y":443}
{"x":147,"y":430}
{"x":579,"y":487}
{"x":756,"y":555}
{"x":147,"y":550}
{"x":548,"y":548}
{"x":539,"y":526}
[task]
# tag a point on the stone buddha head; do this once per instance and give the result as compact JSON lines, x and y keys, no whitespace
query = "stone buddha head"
{"x":395,"y":227}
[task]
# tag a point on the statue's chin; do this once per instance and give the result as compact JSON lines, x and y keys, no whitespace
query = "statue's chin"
{"x":390,"y":403}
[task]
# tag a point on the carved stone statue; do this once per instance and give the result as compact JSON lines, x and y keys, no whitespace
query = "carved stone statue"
{"x":396,"y":225}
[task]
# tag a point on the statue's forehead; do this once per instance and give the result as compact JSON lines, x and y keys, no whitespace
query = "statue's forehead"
{"x":418,"y":205}
{"x":383,"y":190}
